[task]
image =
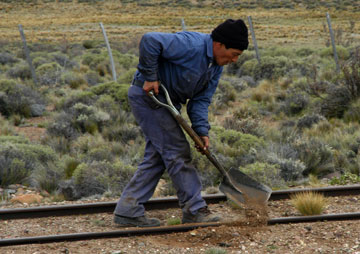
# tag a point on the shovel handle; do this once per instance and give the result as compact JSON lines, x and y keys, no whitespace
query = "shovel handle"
{"x":194,"y":136}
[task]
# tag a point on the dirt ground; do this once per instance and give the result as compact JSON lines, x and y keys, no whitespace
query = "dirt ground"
{"x":241,"y":234}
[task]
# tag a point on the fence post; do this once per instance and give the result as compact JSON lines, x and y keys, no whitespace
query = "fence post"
{"x":27,"y":54}
{"x":333,"y":42}
{"x":109,"y":51}
{"x":183,"y":24}
{"x":254,"y":39}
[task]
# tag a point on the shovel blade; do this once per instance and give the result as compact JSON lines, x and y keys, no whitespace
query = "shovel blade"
{"x":241,"y":188}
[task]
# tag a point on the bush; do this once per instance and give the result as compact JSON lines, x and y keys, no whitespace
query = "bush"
{"x":342,"y":52}
{"x":93,"y":78}
{"x":269,"y":67}
{"x":20,"y":70}
{"x":336,"y":102}
{"x":63,"y":127}
{"x":127,"y":77}
{"x":115,"y":90}
{"x":264,"y":173}
{"x":73,"y":79}
{"x":304,"y":52}
{"x":233,"y":143}
{"x":309,"y":203}
{"x":223,"y":96}
{"x":98,"y":177}
{"x":19,"y":99}
{"x":18,"y":160}
{"x":309,"y":120}
{"x":83,"y":97}
{"x":49,"y":73}
{"x":7,"y":58}
{"x":317,"y":156}
{"x":352,"y":114}
{"x":63,"y":60}
{"x":294,"y":103}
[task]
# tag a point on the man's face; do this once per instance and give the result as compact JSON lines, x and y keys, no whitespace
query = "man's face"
{"x":224,"y":56}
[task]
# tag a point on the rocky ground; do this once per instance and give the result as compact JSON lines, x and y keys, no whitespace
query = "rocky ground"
{"x":242,"y":234}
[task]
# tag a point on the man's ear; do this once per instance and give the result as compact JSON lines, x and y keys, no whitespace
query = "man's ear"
{"x":217,"y":44}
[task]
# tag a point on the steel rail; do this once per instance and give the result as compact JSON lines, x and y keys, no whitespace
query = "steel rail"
{"x":165,"y":229}
{"x":156,"y":203}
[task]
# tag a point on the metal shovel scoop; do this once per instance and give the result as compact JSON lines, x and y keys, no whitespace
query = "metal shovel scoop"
{"x":237,"y":186}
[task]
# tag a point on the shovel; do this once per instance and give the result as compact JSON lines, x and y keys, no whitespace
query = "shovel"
{"x":237,"y":186}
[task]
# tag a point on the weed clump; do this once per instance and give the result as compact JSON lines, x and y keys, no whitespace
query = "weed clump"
{"x":309,"y":203}
{"x":20,"y":99}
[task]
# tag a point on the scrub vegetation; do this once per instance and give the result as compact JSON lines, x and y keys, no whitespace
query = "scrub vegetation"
{"x":309,"y":203}
{"x":282,"y":120}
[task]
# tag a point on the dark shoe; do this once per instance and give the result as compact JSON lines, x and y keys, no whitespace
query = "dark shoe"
{"x":203,"y":215}
{"x":141,"y":221}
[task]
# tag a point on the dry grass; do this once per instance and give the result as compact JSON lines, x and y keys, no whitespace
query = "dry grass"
{"x":58,"y":21}
{"x":309,"y":203}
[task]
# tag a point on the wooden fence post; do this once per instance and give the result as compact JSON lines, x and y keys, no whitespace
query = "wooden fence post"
{"x":109,"y":51}
{"x":333,"y":42}
{"x":254,"y":39}
{"x":27,"y":54}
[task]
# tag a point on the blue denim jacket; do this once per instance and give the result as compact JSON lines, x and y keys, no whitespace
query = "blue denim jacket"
{"x":183,"y":63}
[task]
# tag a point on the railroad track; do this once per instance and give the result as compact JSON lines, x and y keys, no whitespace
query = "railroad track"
{"x":157,"y":203}
{"x":104,"y":207}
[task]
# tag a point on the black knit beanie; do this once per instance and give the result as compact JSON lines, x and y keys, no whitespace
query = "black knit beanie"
{"x":232,"y":33}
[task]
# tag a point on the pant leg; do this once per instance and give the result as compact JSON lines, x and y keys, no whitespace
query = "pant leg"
{"x":166,"y":147}
{"x":142,"y":185}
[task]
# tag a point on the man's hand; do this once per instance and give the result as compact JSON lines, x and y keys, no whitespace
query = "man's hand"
{"x":151,"y":85}
{"x":206,"y":142}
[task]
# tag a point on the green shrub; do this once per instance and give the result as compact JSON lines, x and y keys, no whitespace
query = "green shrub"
{"x":49,"y":73}
{"x":234,"y":143}
{"x":268,"y":174}
{"x":84,"y":97}
{"x":93,"y":78}
{"x":13,"y":140}
{"x":270,"y":67}
{"x":225,"y":95}
{"x":347,"y":178}
{"x":89,"y":44}
{"x":40,"y":60}
{"x":342,"y":52}
{"x":63,"y":60}
{"x":18,"y":160}
{"x":294,"y":103}
{"x":7,"y":58}
{"x":316,"y":155}
{"x":62,"y":127}
{"x":215,"y":251}
{"x":352,"y":114}
{"x":98,"y":177}
{"x":126,"y":77}
{"x":19,"y":99}
{"x":303,"y":52}
{"x":336,"y":102}
{"x":115,"y":90}
{"x":279,"y":51}
{"x":73,"y":79}
{"x":126,"y":61}
{"x":21,"y":70}
{"x":173,"y":221}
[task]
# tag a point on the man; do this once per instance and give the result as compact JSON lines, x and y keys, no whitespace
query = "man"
{"x":189,"y":65}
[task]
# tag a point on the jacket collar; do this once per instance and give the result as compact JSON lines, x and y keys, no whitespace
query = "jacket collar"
{"x":209,"y":51}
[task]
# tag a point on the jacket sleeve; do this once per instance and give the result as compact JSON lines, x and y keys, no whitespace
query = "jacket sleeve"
{"x":154,"y":46}
{"x":198,"y":107}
